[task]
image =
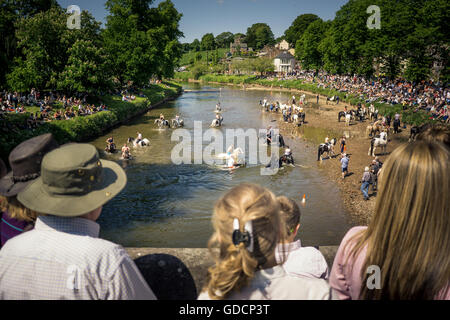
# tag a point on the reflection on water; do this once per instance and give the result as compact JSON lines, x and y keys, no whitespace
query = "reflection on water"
{"x":168,"y":205}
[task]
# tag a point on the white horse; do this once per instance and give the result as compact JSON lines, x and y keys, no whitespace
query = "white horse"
{"x":143,"y":143}
{"x":179,"y":123}
{"x":378,"y":142}
{"x":162,"y":123}
{"x":234,"y":154}
{"x":216,"y":122}
{"x":348,"y":119}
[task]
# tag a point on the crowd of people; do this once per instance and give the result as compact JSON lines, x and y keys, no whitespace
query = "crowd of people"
{"x":52,"y":106}
{"x":51,"y":250}
{"x":429,"y":96}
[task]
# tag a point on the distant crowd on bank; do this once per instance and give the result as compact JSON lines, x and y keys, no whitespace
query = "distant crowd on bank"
{"x":53,"y":195}
{"x":429,"y":96}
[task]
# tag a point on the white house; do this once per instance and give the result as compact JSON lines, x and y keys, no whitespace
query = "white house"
{"x":284,"y":62}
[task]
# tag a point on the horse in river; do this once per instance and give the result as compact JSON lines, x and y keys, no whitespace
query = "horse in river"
{"x":177,"y":123}
{"x":378,"y":142}
{"x":326,"y":147}
{"x":142,"y":143}
{"x":162,"y":123}
{"x":217,"y":122}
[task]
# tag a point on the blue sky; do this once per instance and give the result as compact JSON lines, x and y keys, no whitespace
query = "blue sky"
{"x":217,"y":16}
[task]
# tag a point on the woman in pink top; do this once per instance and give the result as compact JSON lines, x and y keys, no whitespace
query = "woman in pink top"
{"x":408,"y":238}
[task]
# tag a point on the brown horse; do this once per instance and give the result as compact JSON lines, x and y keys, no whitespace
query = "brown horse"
{"x":372,"y":129}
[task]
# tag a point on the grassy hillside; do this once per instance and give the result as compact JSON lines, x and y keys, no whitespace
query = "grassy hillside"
{"x":188,"y":57}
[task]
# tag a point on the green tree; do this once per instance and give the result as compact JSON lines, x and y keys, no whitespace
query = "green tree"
{"x":11,"y":11}
{"x":307,"y":48}
{"x":208,"y":42}
{"x":259,"y":35}
{"x":262,"y":65}
{"x":141,"y":41}
{"x":195,"y":45}
{"x":44,"y":41}
{"x":86,"y":70}
{"x":298,"y":26}
{"x":224,"y":39}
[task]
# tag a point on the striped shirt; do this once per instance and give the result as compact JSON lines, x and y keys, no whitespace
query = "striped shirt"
{"x":63,"y":258}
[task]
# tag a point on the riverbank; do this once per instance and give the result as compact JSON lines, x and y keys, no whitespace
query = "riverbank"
{"x":82,"y":129}
{"x":321,"y":121}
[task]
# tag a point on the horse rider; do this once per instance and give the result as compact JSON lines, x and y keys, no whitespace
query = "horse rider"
{"x":139,"y":137}
{"x":126,"y":151}
{"x":219,"y":118}
{"x":287,"y":157}
{"x":161,"y":117}
{"x":111,"y":145}
{"x":177,"y":119}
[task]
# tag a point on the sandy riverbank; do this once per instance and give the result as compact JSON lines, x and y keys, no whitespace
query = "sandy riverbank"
{"x":322,"y":117}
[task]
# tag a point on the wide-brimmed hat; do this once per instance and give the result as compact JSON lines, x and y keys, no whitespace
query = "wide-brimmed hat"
{"x":25,"y":161}
{"x":74,"y":181}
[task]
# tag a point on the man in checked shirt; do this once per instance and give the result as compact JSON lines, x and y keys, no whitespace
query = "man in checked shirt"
{"x":62,"y":257}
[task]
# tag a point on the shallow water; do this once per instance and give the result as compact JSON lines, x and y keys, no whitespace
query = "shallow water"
{"x":168,"y":205}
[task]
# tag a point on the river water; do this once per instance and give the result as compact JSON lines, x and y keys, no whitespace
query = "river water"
{"x":169,"y":205}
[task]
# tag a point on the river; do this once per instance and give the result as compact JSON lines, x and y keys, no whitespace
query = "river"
{"x":168,"y":205}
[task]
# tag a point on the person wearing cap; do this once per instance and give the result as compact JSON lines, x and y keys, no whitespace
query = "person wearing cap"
{"x":25,"y":161}
{"x":62,"y":257}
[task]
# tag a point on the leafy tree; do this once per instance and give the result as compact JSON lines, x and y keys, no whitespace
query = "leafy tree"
{"x":195,"y":45}
{"x":298,"y":26}
{"x":307,"y":48}
{"x":44,"y":41}
{"x":86,"y":70}
{"x":263,"y":65}
{"x":224,"y":39}
{"x":11,"y":11}
{"x":240,"y":36}
{"x":259,"y":35}
{"x":208,"y":42}
{"x":141,"y":41}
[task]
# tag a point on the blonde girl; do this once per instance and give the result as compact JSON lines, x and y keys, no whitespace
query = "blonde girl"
{"x":247,"y":229}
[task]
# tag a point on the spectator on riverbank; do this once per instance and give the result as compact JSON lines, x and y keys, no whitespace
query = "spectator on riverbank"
{"x":344,"y":165}
{"x":365,"y":183}
{"x":343,"y":145}
{"x":25,"y":162}
{"x":407,"y":239}
{"x":247,"y":230}
{"x":62,"y":257}
{"x":374,"y":171}
{"x":300,"y":261}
